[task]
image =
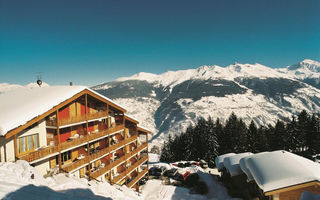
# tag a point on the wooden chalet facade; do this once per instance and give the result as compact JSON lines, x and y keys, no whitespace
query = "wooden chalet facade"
{"x":86,"y":135}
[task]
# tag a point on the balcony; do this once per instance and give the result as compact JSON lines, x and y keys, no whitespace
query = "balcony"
{"x":46,"y":151}
{"x":129,"y":169}
{"x":77,"y":119}
{"x":105,"y":169}
{"x":40,"y":153}
{"x":98,"y":154}
{"x":135,"y":151}
{"x":137,"y":178}
{"x":102,"y":170}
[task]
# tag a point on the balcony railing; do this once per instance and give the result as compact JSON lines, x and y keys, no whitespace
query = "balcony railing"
{"x":99,"y":154}
{"x":40,"y":153}
{"x":137,"y":178}
{"x":76,"y":164}
{"x":105,"y":169}
{"x":76,"y":119}
{"x":135,"y":151}
{"x":128,"y":170}
{"x":46,"y":151}
{"x":97,"y":115}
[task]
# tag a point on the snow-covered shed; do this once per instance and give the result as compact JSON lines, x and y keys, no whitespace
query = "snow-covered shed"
{"x":283,"y":175}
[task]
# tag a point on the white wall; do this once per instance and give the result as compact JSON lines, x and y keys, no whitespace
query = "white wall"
{"x":6,"y":150}
{"x":43,"y":166}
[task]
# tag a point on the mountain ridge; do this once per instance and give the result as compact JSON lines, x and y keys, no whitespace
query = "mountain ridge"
{"x":169,"y":102}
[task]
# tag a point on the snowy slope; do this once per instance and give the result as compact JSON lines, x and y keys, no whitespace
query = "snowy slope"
{"x":167,"y":103}
{"x":21,"y":181}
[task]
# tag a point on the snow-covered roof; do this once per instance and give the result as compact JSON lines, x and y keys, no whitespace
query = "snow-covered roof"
{"x":21,"y":105}
{"x":245,"y":169}
{"x":280,"y":169}
{"x":219,"y":160}
{"x":142,"y":127}
{"x":232,"y":163}
{"x":131,"y":117}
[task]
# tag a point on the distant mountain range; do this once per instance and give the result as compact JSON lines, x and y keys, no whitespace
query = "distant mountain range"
{"x":169,"y":102}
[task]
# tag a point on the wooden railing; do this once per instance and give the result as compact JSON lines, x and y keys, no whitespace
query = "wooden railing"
{"x":132,"y":167}
{"x":137,"y":150}
{"x":99,"y":154}
{"x":35,"y":155}
{"x":40,"y":153}
{"x":76,"y":119}
{"x":76,"y":164}
{"x":97,"y":115}
{"x":137,"y":178}
{"x":103,"y":170}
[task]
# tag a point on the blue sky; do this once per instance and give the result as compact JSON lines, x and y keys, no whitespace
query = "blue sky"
{"x":93,"y":41}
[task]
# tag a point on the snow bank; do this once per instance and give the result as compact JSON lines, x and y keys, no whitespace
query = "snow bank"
{"x":21,"y":181}
{"x":219,"y":160}
{"x":232,"y":163}
{"x":279,"y":169}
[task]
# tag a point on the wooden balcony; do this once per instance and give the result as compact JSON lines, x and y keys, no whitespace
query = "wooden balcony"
{"x":101,"y":171}
{"x":128,"y":170}
{"x":40,"y":153}
{"x":43,"y":152}
{"x":76,"y":119}
{"x":137,"y":178}
{"x":105,"y":169}
{"x":76,"y":164}
{"x":97,"y":115}
{"x":99,"y":154}
{"x":135,"y":151}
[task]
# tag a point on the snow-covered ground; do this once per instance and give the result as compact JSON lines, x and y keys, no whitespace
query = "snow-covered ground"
{"x":21,"y":181}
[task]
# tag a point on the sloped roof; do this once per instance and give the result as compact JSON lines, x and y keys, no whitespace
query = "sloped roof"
{"x":19,"y":106}
{"x":281,"y":169}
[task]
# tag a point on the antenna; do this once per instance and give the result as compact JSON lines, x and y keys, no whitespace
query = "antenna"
{"x":39,"y":81}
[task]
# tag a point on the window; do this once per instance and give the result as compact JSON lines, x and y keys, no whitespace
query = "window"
{"x":64,"y":157}
{"x":27,"y":143}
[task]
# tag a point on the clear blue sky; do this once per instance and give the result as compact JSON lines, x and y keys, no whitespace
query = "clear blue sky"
{"x":93,"y":41}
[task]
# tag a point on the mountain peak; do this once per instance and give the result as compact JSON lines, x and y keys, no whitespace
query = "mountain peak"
{"x":311,"y":62}
{"x":307,"y":65}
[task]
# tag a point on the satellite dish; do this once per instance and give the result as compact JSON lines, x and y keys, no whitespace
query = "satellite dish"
{"x":39,"y":81}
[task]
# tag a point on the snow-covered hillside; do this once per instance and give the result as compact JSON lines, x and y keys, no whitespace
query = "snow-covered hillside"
{"x":167,"y":103}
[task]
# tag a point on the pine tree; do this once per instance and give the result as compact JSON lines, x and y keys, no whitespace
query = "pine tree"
{"x":212,"y":141}
{"x":253,"y":138}
{"x":280,"y":136}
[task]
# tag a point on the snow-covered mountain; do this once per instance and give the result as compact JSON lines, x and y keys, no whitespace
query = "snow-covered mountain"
{"x":169,"y":102}
{"x":307,"y":70}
